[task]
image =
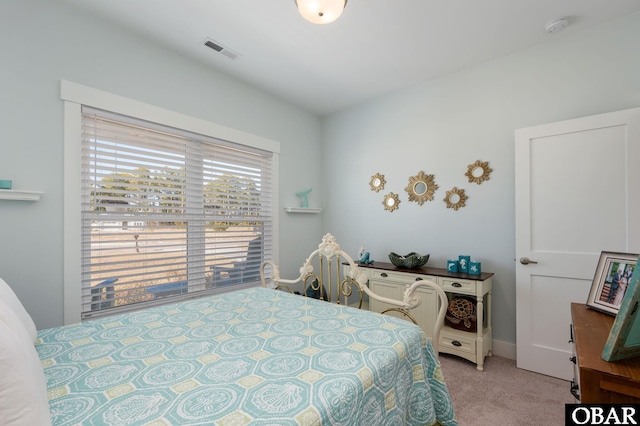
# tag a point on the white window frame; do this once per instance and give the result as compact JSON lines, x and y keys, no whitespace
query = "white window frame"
{"x":75,"y":96}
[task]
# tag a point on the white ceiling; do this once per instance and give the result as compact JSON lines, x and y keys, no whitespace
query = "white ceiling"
{"x":375,"y":47}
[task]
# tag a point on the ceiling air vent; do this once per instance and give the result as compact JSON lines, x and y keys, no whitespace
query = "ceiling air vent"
{"x":214,"y":45}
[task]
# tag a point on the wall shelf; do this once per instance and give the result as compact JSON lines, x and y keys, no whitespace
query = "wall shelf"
{"x":302,"y":210}
{"x":18,"y":195}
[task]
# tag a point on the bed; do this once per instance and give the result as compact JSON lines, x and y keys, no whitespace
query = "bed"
{"x":255,"y":356}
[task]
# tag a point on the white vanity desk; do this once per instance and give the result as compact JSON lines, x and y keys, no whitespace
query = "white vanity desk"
{"x":388,"y":280}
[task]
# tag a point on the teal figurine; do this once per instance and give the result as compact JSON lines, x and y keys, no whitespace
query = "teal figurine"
{"x":364,"y":256}
{"x":305,"y":197}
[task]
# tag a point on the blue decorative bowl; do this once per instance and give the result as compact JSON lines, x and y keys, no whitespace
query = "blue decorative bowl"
{"x":411,"y":260}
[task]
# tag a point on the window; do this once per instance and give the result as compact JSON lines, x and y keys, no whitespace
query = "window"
{"x":167,"y":212}
{"x":204,"y":211}
{"x":213,"y":189}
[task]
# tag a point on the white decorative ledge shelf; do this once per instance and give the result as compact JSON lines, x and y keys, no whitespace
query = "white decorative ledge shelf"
{"x":302,"y":210}
{"x":14,"y":194}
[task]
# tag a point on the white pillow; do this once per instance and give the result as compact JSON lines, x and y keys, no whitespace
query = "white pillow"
{"x":9,"y":297}
{"x":23,"y":389}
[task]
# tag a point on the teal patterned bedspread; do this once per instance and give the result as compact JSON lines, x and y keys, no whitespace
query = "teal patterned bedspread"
{"x":257,"y":356}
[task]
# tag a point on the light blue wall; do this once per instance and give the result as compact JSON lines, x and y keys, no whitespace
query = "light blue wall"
{"x":42,"y":42}
{"x":439,"y":127}
{"x":442,"y":126}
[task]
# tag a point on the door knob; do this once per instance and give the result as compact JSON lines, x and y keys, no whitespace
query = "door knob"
{"x":526,"y":261}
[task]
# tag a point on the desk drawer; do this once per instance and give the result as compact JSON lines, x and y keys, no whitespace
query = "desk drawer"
{"x":455,"y":285}
{"x":401,"y":278}
{"x":458,"y":343}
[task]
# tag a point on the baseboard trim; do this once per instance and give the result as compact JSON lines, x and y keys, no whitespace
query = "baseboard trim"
{"x":504,"y":349}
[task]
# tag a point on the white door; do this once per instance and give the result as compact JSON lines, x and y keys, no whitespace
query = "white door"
{"x":577,"y":193}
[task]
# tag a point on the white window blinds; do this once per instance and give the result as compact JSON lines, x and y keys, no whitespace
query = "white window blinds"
{"x":166,"y":212}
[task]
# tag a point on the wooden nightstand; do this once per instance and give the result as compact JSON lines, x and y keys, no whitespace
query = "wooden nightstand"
{"x":597,"y":381}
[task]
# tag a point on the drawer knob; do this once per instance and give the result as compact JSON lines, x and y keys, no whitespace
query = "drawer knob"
{"x":456,"y":343}
{"x":384,"y":275}
{"x":456,"y":285}
{"x":570,"y":333}
{"x":419,"y":279}
{"x":573,"y":359}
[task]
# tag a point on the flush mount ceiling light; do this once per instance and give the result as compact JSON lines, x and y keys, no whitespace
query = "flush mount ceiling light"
{"x":321,"y":11}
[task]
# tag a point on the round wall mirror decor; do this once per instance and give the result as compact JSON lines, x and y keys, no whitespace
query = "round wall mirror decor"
{"x":391,"y":202}
{"x":377,"y":182}
{"x":421,"y":188}
{"x":455,"y":198}
{"x":478,"y":172}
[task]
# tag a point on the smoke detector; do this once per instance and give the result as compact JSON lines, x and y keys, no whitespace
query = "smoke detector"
{"x":556,"y":25}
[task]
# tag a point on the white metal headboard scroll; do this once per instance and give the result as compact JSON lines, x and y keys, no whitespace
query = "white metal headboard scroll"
{"x":330,"y":249}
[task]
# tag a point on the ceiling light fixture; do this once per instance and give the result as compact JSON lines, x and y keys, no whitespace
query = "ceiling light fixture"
{"x":321,"y":11}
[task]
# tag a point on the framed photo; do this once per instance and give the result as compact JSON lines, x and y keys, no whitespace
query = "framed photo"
{"x":624,"y":337}
{"x":611,"y":281}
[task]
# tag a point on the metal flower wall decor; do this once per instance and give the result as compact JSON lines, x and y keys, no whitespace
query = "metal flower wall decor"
{"x":421,"y":188}
{"x":377,"y":182}
{"x":455,"y":198}
{"x":391,"y":202}
{"x":478,"y":172}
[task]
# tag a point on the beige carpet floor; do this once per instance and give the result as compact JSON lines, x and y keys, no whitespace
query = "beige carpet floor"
{"x":503,"y":394}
